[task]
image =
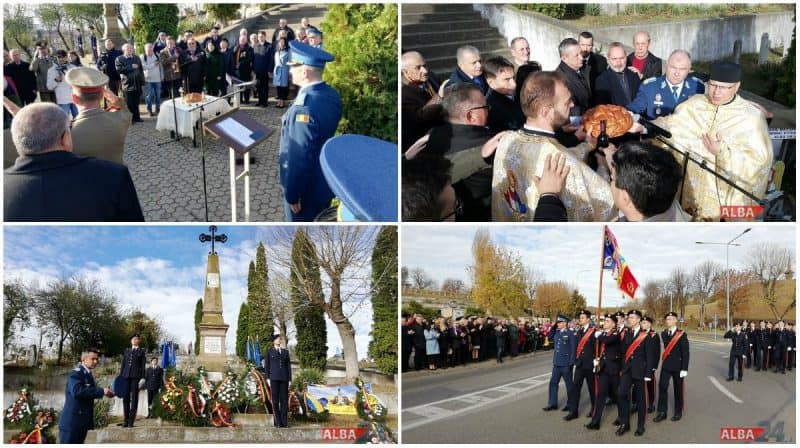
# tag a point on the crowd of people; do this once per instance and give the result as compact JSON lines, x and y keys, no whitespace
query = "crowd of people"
{"x":768,"y":346}
{"x":445,"y":342}
{"x":68,"y":122}
{"x":475,"y":144}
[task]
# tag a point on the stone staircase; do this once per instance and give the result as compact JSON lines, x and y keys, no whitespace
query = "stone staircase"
{"x":437,"y":30}
{"x":268,"y":19}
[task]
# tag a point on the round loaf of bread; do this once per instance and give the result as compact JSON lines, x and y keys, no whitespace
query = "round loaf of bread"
{"x":618,"y":120}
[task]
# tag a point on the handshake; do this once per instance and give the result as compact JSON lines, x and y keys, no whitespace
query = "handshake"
{"x":108,"y":392}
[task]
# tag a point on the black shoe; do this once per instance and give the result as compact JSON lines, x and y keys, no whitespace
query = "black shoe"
{"x":565,"y":409}
{"x":550,"y":408}
{"x":676,"y":417}
{"x":738,"y":379}
{"x":616,"y":422}
{"x":608,"y":401}
{"x":729,"y":379}
{"x":661,"y":416}
{"x":589,"y":415}
{"x":623,"y":429}
{"x":571,"y":416}
{"x":651,"y":410}
{"x":757,"y":369}
{"x":639,"y":432}
{"x":592,"y":426}
{"x":634,"y":408}
{"x":124,"y":424}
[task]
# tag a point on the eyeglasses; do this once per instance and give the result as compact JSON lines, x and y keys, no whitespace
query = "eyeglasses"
{"x":721,"y":87}
{"x":485,"y":106}
{"x":458,"y":209}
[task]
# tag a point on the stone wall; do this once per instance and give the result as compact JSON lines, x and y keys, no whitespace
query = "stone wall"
{"x":706,"y":39}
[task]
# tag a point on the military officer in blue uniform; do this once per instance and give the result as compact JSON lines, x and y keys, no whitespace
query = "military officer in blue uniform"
{"x":565,"y":343}
{"x":77,"y":417}
{"x":278,"y":369}
{"x":307,"y":125}
{"x":660,"y":95}
{"x":133,"y":369}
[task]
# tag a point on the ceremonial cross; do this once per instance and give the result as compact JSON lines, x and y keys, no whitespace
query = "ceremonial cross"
{"x":204,"y":238}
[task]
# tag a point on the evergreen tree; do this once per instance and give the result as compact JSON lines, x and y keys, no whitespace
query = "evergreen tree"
{"x":383,"y":347}
{"x":198,"y":315}
{"x":260,"y":326}
{"x":241,"y":331}
{"x":150,"y":18}
{"x":309,"y":319}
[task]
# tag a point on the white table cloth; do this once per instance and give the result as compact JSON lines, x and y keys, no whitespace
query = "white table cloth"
{"x":186,"y":119}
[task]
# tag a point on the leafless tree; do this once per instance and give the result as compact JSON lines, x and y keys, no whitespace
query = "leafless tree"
{"x":679,"y":287}
{"x":452,"y":286}
{"x":344,"y":255}
{"x":768,"y":264}
{"x":280,"y":292}
{"x":420,"y":280}
{"x":702,"y":283}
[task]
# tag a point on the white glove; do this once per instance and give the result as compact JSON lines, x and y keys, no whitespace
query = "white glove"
{"x":789,"y":349}
{"x":595,"y":363}
{"x":770,"y":347}
{"x":268,"y":383}
{"x":751,"y":345}
{"x":684,"y":373}
{"x":648,"y":379}
{"x":597,"y":333}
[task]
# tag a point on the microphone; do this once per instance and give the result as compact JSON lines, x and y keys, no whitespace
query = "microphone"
{"x":654,"y":128}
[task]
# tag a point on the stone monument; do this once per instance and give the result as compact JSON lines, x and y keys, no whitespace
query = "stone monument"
{"x":212,"y":326}
{"x":110,"y":17}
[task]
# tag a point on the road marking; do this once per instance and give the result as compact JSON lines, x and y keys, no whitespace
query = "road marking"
{"x":477,"y":399}
{"x":724,"y":390}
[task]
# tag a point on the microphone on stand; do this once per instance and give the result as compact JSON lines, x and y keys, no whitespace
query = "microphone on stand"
{"x":653,"y":128}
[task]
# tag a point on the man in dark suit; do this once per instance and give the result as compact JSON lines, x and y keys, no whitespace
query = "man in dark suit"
{"x":578,"y":84}
{"x":418,"y":336}
{"x":617,"y":85}
{"x":278,"y":369}
{"x":470,"y":68}
{"x":154,"y":381}
{"x":504,"y":113}
{"x":606,"y":365}
{"x":781,"y":344}
{"x":674,"y":365}
{"x":133,"y":367}
{"x":653,"y":353}
{"x":760,"y":344}
{"x":243,"y":65}
{"x":646,"y":64}
{"x":738,"y":350}
{"x":421,"y":103}
{"x":635,"y":372}
{"x":584,"y":366}
{"x":77,"y":417}
{"x":595,"y":61}
{"x":50,"y":183}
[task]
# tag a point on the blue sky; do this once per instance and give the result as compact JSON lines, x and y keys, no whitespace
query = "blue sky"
{"x":572,"y":253}
{"x":158,"y":269}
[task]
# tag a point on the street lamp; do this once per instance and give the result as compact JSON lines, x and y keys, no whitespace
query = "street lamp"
{"x":727,"y":273}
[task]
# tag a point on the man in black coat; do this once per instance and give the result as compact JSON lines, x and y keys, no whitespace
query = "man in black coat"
{"x":470,"y":68}
{"x":193,"y":66}
{"x":578,"y":84}
{"x":421,"y":103}
{"x":750,"y":330}
{"x":130,"y":70}
{"x":646,"y":64}
{"x":153,"y":382}
{"x":738,"y":350}
{"x":133,"y":370}
{"x":504,"y":113}
{"x":674,"y":365}
{"x":760,"y":344}
{"x":782,"y":341}
{"x":243,"y":65}
{"x":635,"y":372}
{"x":282,"y":26}
{"x":406,"y":342}
{"x":792,"y":347}
{"x":24,"y":79}
{"x":606,"y":366}
{"x":278,"y":370}
{"x":418,"y":335}
{"x":595,"y":61}
{"x":50,"y":183}
{"x":617,"y":85}
{"x":584,"y":366}
{"x":460,"y":139}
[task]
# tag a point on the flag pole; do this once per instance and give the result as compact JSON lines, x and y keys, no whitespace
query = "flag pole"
{"x":600,"y":290}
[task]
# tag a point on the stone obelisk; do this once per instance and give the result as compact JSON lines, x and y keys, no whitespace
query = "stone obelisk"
{"x":212,"y":326}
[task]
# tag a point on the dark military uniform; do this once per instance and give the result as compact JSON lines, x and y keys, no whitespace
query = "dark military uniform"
{"x":307,"y":125}
{"x":760,"y":345}
{"x":635,"y":368}
{"x":738,"y":350}
{"x":607,"y":377}
{"x":672,"y":364}
{"x":781,"y":345}
{"x":154,"y":381}
{"x":564,"y":346}
{"x":791,"y":356}
{"x":655,"y":98}
{"x":654,"y":353}
{"x":77,"y":417}
{"x":278,"y":370}
{"x":133,"y":369}
{"x":584,"y":368}
{"x":750,"y":342}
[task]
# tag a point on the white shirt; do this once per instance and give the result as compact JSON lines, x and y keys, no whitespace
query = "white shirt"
{"x":62,"y":90}
{"x":531,"y":128}
{"x":679,"y":86}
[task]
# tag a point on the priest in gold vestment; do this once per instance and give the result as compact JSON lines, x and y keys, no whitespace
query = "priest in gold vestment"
{"x":520,"y":159}
{"x":730,"y":134}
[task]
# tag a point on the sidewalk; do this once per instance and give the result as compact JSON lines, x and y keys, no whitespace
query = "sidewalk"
{"x":489,"y":363}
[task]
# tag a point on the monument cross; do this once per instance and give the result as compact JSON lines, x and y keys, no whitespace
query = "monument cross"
{"x":204,"y":238}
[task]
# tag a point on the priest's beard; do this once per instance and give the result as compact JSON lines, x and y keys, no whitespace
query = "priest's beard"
{"x":559,"y":119}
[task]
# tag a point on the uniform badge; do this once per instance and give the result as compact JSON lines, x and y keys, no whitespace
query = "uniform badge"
{"x":657,"y":102}
{"x":511,"y":196}
{"x":302,"y":118}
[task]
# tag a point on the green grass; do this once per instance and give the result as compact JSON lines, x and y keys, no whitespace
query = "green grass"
{"x":633,"y":14}
{"x":755,"y":79}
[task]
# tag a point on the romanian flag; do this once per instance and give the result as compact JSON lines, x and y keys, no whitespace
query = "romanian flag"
{"x":614,"y":261}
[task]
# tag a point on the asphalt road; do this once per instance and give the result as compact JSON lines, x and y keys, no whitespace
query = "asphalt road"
{"x":487,"y":403}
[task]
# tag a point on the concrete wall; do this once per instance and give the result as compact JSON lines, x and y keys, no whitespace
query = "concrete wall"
{"x":710,"y":39}
{"x":707,"y":39}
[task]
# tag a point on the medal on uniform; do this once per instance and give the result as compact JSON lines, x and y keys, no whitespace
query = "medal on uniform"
{"x":658,"y":103}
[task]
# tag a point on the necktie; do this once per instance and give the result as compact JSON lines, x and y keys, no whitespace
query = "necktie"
{"x":675,"y":93}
